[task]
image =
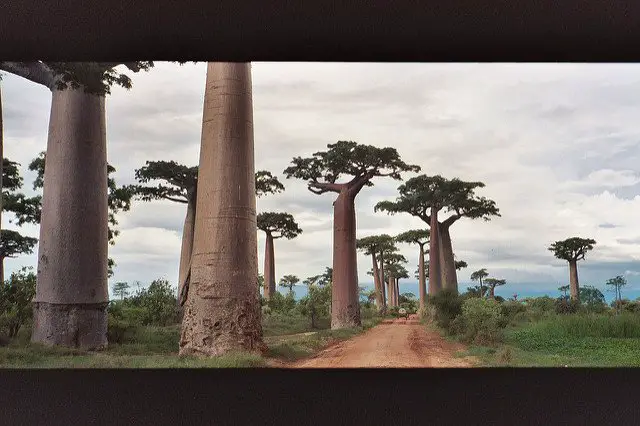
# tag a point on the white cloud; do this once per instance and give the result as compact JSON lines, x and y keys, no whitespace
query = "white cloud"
{"x":554,"y":143}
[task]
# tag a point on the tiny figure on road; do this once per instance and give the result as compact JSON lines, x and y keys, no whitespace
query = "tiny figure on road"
{"x":403,"y":313}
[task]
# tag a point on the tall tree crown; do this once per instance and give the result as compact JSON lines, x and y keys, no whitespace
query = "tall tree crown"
{"x":414,"y":236}
{"x":279,"y":225}
{"x":479,"y":274}
{"x":420,"y":195}
{"x":375,"y":244}
{"x":347,"y":158}
{"x":572,"y":249}
{"x":12,"y":243}
{"x":94,"y":77}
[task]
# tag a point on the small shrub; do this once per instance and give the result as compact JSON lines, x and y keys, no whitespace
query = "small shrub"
{"x":16,"y":294}
{"x":482,"y":321}
{"x":448,"y":305}
{"x":511,"y":309}
{"x":504,"y":356}
{"x":564,"y":306}
{"x":282,"y":304}
{"x":544,"y":304}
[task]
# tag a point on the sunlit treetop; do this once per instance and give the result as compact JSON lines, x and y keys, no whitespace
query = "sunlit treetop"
{"x":278,"y":225}
{"x":414,"y":236}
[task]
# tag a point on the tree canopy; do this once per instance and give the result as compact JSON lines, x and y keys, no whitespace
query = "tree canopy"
{"x":94,"y":77}
{"x":13,"y":243}
{"x":278,"y":225}
{"x":572,"y":249}
{"x":321,"y":279}
{"x":347,"y":158}
{"x":289,"y":281}
{"x":420,"y":194}
{"x":414,"y":236}
{"x":375,"y":244}
{"x":176,"y":182}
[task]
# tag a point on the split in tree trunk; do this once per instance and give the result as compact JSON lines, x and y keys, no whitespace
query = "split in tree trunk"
{"x":222,"y":312}
{"x":450,"y":278}
{"x":435,"y":280}
{"x":345,"y":306}
{"x":574,"y":287}
{"x":269,"y":268}
{"x":71,"y":293}
{"x":421,"y":279}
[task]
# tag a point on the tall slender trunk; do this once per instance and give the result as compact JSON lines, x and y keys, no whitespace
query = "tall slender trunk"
{"x":71,"y":298}
{"x":269,"y":267}
{"x":187,"y":242}
{"x":2,"y":269}
{"x":435,"y":279}
{"x":481,"y":288}
{"x":396,"y":283}
{"x":382,"y":281}
{"x":422,"y":285}
{"x":492,"y":292}
{"x":345,"y":306}
{"x":222,"y":311}
{"x":376,"y":283}
{"x":573,"y":280}
{"x":450,"y":280}
{"x":392,"y":291}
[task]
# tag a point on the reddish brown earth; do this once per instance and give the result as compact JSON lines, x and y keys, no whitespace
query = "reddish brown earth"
{"x":396,"y":343}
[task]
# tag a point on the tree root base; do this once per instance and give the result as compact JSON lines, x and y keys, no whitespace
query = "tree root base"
{"x":81,"y":326}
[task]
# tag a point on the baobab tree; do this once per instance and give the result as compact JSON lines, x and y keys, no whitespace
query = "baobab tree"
{"x":171,"y":181}
{"x":321,"y":279}
{"x":479,"y":275}
{"x":492,"y":283}
{"x":376,"y":246}
{"x":425,"y":197}
{"x":118,"y":199}
{"x":616,"y":285}
{"x":393,"y":268}
{"x":274,"y":225}
{"x":322,"y":171}
{"x":289,"y":281}
{"x":12,"y":244}
{"x":71,"y":292}
{"x":421,"y":238}
{"x":222,"y":305}
{"x":572,"y":250}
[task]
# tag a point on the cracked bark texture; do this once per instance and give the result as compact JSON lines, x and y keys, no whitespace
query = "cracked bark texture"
{"x":269,"y":267}
{"x":187,"y":242}
{"x":345,"y":303}
{"x":448,"y":263}
{"x":435,"y":279}
{"x":71,"y":290}
{"x":574,"y":287}
{"x":222,"y":311}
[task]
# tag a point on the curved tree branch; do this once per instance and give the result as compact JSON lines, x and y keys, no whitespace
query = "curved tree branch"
{"x":36,"y":71}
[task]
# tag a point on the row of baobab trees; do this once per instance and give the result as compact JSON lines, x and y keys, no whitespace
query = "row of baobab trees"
{"x":218,"y":283}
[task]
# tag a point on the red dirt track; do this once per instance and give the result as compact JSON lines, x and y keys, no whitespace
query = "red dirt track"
{"x":396,"y":343}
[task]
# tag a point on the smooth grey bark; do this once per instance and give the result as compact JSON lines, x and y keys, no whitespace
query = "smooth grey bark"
{"x":345,"y":303}
{"x":574,"y":286}
{"x":222,"y":310}
{"x":422,"y":285}
{"x":449,"y":273}
{"x":187,"y":242}
{"x":269,"y":267}
{"x":376,"y":283}
{"x":71,"y":291}
{"x":385,"y":293}
{"x":435,"y":279}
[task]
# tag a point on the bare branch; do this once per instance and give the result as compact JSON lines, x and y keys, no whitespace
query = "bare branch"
{"x":322,"y":187}
{"x":177,"y":200}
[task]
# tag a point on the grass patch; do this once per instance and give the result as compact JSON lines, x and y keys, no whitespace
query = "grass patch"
{"x":276,"y":324}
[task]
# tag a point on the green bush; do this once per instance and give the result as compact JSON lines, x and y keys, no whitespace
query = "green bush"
{"x":511,"y":310}
{"x":544,"y":304}
{"x":282,"y":304}
{"x":16,"y":294}
{"x":565,"y":306}
{"x":316,"y":304}
{"x":155,"y":305}
{"x":482,"y":321}
{"x":447,"y":305}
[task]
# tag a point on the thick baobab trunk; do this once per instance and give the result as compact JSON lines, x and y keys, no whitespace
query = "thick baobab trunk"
{"x":390,"y":287}
{"x":385,"y":293}
{"x":422,"y":285}
{"x":71,"y":298}
{"x":435,"y":280}
{"x":269,"y":268}
{"x":574,"y":287}
{"x":222,"y":311}
{"x":377,"y":284}
{"x":187,"y":243}
{"x":396,"y":284}
{"x":345,"y":306}
{"x":448,"y":265}
{"x":492,"y":292}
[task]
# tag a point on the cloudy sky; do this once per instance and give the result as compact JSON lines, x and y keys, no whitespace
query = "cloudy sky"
{"x":556,"y":144}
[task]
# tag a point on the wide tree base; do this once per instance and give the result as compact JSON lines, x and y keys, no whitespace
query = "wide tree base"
{"x":213,"y":327}
{"x":78,"y":326}
{"x":347,"y":318}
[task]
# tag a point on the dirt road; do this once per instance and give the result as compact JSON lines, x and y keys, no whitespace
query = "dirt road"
{"x":397,"y":344}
